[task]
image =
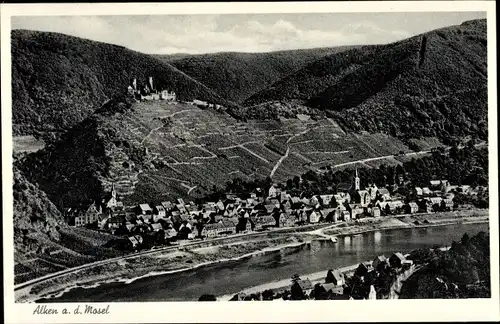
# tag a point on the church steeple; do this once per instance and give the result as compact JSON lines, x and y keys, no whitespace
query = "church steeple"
{"x":113,"y":191}
{"x":356,"y":181}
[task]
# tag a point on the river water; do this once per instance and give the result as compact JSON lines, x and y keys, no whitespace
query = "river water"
{"x":233,"y":276}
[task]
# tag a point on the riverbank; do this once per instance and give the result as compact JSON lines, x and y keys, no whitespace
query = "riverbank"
{"x":127,"y":271}
{"x":157,"y":263}
{"x":316,"y":277}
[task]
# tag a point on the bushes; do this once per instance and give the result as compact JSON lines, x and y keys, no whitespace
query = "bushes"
{"x":465,"y":265}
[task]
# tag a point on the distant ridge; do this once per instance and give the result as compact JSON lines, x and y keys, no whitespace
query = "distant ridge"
{"x":238,"y":75}
{"x":432,"y":84}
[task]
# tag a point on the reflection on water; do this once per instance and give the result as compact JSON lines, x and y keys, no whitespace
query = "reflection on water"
{"x":347,"y":243}
{"x":230,"y":277}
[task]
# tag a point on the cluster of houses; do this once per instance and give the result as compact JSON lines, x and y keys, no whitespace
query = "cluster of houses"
{"x":336,"y":285}
{"x":147,"y":91}
{"x":266,"y":208}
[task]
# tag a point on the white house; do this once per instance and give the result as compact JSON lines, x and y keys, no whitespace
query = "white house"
{"x":312,"y":217}
{"x":272,"y":192}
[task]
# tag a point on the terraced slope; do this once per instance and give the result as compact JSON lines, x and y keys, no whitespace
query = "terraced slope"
{"x":154,"y":151}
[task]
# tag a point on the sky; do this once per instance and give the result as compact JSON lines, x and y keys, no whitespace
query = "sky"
{"x":196,"y":34}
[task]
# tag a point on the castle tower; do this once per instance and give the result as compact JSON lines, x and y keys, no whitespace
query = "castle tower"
{"x":356,"y":181}
{"x":151,"y":83}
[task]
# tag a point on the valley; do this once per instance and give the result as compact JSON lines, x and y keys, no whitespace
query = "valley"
{"x":290,"y":118}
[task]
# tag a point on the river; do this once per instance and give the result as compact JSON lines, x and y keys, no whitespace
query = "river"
{"x":233,"y":276}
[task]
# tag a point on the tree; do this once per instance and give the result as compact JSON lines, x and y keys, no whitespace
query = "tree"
{"x":295,"y":278}
{"x":465,"y":239}
{"x":319,"y":292}
{"x":436,"y":207}
{"x":267,"y":294}
{"x":329,"y":277}
{"x":296,"y":182}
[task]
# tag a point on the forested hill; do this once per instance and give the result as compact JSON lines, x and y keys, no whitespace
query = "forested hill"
{"x":237,"y":76}
{"x":58,"y":80}
{"x":434,"y":84}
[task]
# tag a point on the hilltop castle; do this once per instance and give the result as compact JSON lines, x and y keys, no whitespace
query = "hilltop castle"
{"x":147,"y":91}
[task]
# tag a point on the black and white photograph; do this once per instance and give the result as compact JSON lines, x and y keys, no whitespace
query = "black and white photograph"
{"x":240,"y":156}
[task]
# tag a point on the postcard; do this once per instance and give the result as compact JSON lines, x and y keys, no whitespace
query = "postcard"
{"x":195,"y":162}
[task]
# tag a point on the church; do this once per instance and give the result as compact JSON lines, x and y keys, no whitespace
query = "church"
{"x":361,"y":197}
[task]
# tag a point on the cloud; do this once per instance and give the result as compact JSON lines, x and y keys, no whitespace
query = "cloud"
{"x":202,"y":33}
{"x":369,"y":29}
{"x":90,"y":27}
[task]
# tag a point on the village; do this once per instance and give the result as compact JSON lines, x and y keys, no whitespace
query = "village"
{"x":147,"y":225}
{"x":376,"y":279}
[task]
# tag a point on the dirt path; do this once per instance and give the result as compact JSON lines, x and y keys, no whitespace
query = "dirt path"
{"x":277,"y":165}
{"x":150,"y":132}
{"x":280,"y":161}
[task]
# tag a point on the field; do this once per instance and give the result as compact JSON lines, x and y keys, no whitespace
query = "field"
{"x":189,"y":150}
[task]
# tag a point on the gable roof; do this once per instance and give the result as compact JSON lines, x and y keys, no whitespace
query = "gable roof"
{"x":264,"y":220}
{"x":305,"y":284}
{"x":337,"y":275}
{"x":167,"y":205}
{"x":398,"y":255}
{"x":213,"y":226}
{"x":328,"y":286}
{"x":326,"y":211}
{"x":344,"y":186}
{"x":383,"y":191}
{"x":156,"y":226}
{"x":270,"y":208}
{"x":227,"y":223}
{"x":144,"y":207}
